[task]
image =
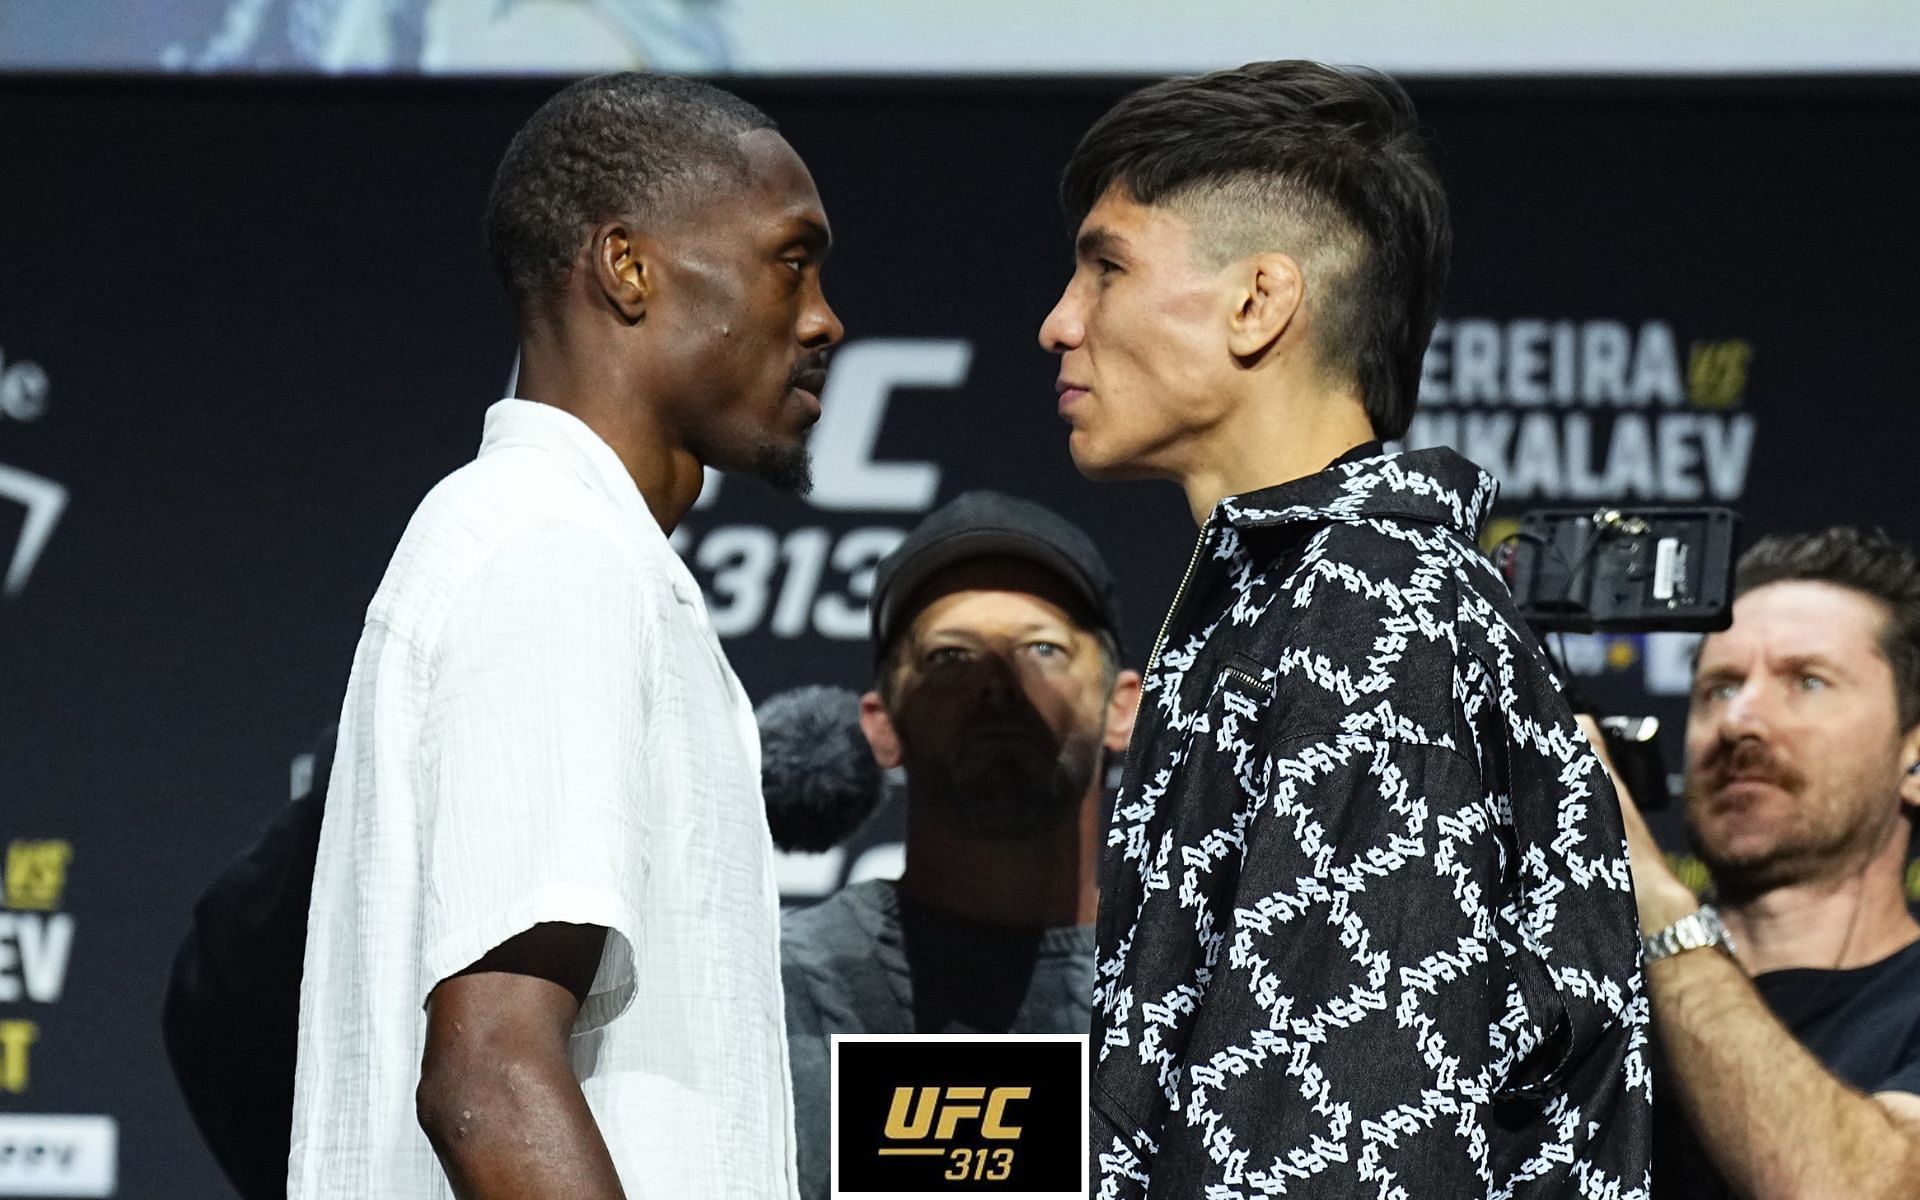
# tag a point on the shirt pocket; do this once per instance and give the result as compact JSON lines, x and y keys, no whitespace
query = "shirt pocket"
{"x":1243,"y":690}
{"x":1245,"y":676}
{"x":1541,"y":1070}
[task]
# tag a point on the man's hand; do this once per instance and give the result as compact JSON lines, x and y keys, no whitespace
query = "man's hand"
{"x":498,"y":1097}
{"x":1658,"y":893}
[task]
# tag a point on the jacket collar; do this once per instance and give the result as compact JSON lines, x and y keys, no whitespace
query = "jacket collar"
{"x":1436,"y":487}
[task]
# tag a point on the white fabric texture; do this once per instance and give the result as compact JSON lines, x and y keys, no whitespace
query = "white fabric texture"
{"x":540,"y":726}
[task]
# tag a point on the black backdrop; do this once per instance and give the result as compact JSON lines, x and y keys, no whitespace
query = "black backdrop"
{"x":245,"y":325}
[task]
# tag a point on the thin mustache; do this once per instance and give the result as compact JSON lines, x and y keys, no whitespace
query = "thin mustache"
{"x":812,"y":371}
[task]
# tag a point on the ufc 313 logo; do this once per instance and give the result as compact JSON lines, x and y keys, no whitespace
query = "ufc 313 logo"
{"x":908,"y":1120}
{"x":962,"y":1114}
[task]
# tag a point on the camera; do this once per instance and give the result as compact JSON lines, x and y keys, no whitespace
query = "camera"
{"x":1637,"y":570}
{"x":1644,"y":570}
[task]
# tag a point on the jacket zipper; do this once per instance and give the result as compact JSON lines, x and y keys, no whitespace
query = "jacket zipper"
{"x":1166,"y":622}
{"x":1253,"y":681}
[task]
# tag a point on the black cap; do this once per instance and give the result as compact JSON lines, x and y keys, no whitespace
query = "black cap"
{"x":980,"y":525}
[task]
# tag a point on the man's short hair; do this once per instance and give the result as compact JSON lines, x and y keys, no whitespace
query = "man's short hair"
{"x":623,"y":145}
{"x":1869,"y":562}
{"x":1322,"y":163}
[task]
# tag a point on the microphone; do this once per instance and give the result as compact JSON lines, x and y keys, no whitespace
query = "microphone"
{"x":817,"y":772}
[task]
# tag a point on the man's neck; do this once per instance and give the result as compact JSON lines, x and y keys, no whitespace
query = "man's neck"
{"x":1271,"y":440}
{"x":1828,"y":925}
{"x":593,"y":388}
{"x":1046,"y":882}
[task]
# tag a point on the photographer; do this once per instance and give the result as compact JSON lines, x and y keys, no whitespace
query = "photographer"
{"x":1788,"y":1012}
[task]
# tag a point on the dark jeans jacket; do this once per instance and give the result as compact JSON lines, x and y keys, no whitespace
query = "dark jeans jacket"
{"x":1367,"y":926}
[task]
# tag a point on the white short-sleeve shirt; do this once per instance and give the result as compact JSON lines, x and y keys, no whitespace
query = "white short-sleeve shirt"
{"x":540,"y":726}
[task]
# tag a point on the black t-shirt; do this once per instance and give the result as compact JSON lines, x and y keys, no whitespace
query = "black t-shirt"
{"x":1863,"y":1024}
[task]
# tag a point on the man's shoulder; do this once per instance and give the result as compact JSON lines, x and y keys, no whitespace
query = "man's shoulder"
{"x":1346,"y":580}
{"x":511,"y":510}
{"x":500,"y":495}
{"x":1389,"y":569}
{"x":1379,"y":609}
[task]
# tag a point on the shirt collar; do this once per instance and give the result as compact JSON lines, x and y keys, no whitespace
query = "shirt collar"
{"x":516,"y":422}
{"x":1436,"y":487}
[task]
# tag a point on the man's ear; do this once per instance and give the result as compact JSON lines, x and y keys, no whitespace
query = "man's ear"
{"x":878,"y":726}
{"x":1271,"y":291}
{"x":621,"y":270}
{"x":1909,"y":788}
{"x":1121,"y":709}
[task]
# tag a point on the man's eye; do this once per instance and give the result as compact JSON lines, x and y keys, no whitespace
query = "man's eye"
{"x":1106,"y":266}
{"x":1719,"y":693}
{"x":942,"y":656}
{"x":1811,"y":683}
{"x":1046,"y":649}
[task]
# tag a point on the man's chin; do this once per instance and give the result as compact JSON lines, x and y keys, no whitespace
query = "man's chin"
{"x":1745,"y":861}
{"x":1739,"y":877}
{"x":787,"y":468}
{"x":1102,"y":465}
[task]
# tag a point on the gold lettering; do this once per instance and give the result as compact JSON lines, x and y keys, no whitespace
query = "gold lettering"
{"x":899,"y":1127}
{"x":15,"y":1037}
{"x":961,"y":1160}
{"x":1002,"y":1164}
{"x":1717,"y":373}
{"x":37,"y":874}
{"x":993,"y":1126}
{"x":952,"y":1114}
{"x":916,"y":1112}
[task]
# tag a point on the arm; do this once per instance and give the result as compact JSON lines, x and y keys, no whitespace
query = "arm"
{"x":498,"y":1097}
{"x":532,"y":849}
{"x":1775,"y":1121}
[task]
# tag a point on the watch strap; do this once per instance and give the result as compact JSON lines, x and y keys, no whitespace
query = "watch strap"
{"x":1696,"y":931}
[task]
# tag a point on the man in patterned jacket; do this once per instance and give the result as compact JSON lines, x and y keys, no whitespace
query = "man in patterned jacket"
{"x":1366,"y":925}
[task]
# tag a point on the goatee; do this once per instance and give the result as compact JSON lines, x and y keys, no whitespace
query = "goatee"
{"x":786,"y":468}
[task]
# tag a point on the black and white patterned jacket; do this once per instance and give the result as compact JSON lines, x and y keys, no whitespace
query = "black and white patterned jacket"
{"x":1367,"y":926}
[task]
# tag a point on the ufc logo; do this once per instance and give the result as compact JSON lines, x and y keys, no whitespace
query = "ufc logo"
{"x":910,"y":1119}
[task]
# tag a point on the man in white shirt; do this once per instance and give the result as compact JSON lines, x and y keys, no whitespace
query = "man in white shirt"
{"x":542,"y":956}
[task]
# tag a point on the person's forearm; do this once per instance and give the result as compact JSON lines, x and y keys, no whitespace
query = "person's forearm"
{"x":1775,"y":1122}
{"x":518,"y":1131}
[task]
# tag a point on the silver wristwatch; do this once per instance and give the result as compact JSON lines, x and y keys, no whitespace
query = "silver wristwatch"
{"x":1697,"y":929}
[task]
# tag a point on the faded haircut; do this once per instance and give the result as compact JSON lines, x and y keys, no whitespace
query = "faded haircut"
{"x":1319,"y":162}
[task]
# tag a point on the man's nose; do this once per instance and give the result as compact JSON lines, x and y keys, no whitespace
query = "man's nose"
{"x":999,"y":678}
{"x":820,"y":329}
{"x":1749,"y":712}
{"x":1063,"y":329}
{"x":992,"y":684}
